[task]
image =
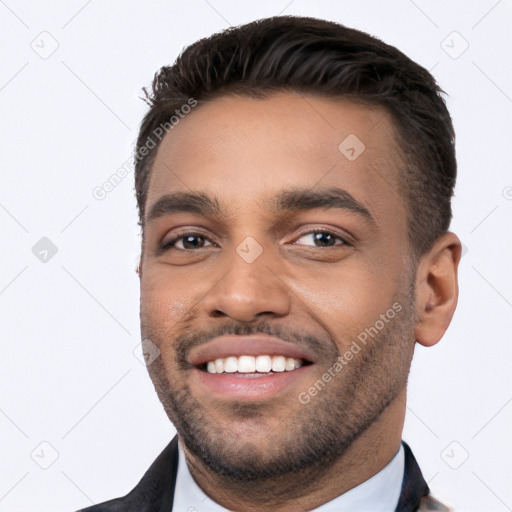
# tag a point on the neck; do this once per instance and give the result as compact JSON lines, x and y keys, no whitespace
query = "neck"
{"x":311,"y":487}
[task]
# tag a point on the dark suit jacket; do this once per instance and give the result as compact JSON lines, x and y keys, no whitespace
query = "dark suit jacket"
{"x":155,"y":491}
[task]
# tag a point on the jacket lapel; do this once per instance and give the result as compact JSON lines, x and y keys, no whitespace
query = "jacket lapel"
{"x":157,"y":485}
{"x":414,"y":486}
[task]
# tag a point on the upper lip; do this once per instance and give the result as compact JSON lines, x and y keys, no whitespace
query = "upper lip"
{"x":225,"y":346}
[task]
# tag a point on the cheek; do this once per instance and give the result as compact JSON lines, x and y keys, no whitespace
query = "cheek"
{"x":161,"y":289}
{"x":165,"y":305}
{"x":348,"y":299}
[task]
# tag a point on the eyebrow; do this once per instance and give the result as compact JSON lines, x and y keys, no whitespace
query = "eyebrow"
{"x":178,"y":202}
{"x":308,"y":199}
{"x":284,"y":201}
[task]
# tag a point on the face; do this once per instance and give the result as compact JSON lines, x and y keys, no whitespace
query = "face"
{"x":274,"y":280}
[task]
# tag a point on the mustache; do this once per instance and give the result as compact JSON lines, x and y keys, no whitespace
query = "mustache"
{"x":322,"y":346}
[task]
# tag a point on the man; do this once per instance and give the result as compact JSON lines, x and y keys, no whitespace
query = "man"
{"x":293,"y":178}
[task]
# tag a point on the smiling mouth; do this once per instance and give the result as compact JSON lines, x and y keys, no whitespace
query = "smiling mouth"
{"x":247,"y":364}
{"x":248,"y":368}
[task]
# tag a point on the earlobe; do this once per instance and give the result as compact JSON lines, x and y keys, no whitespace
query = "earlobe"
{"x":437,"y":289}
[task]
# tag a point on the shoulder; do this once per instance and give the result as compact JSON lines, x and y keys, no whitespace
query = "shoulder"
{"x":415,"y":494}
{"x":154,"y":492}
{"x":430,"y":504}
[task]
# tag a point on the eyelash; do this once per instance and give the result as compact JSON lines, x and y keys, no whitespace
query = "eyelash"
{"x":171,"y":243}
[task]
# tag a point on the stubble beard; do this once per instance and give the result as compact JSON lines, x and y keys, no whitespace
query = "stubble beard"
{"x":316,"y":434}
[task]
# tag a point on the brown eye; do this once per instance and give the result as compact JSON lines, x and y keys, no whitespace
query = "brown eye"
{"x":187,"y":241}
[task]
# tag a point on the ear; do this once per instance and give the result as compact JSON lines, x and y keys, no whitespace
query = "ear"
{"x":437,"y":289}
{"x":138,"y":269}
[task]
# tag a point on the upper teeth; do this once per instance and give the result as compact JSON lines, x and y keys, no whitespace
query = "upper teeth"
{"x":251,"y":364}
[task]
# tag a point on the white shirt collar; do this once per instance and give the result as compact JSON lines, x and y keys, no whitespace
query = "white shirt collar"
{"x":380,"y":493}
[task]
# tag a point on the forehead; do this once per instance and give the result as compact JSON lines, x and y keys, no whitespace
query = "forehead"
{"x":244,"y":150}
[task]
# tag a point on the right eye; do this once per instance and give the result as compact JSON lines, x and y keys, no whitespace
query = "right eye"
{"x":186,"y":242}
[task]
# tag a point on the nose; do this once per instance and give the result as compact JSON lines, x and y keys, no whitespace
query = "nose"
{"x":246,"y":291}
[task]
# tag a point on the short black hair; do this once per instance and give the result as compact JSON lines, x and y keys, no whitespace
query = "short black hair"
{"x":314,"y":56}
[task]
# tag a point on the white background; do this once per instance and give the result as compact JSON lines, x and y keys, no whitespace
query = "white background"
{"x":69,"y":326}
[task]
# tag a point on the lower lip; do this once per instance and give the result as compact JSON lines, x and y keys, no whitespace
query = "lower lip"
{"x":249,"y":386}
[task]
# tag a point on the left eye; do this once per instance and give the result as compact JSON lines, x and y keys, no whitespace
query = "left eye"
{"x":320,"y":239}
